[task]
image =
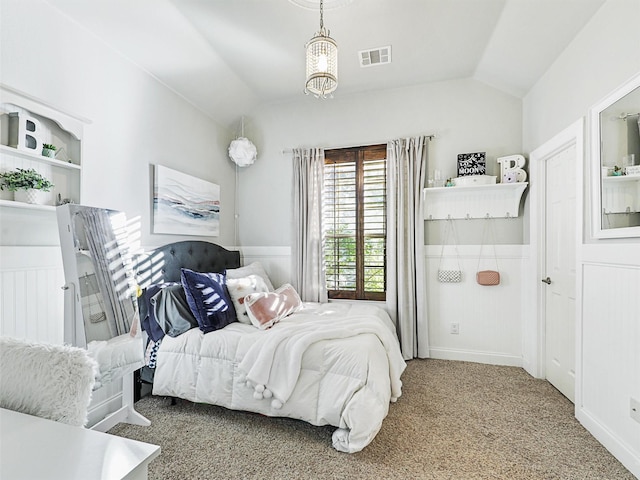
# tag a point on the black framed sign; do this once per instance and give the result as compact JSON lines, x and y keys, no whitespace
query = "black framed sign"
{"x":471,"y":164}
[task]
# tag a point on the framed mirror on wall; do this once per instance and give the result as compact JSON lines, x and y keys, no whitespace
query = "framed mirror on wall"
{"x":615,"y":159}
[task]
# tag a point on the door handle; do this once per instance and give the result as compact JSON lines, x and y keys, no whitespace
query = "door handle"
{"x":546,"y":280}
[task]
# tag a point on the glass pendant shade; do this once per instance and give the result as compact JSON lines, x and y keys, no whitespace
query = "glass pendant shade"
{"x":322,"y":65}
{"x":322,"y":62}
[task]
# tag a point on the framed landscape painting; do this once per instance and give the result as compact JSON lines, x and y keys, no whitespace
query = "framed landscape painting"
{"x":185,"y":205}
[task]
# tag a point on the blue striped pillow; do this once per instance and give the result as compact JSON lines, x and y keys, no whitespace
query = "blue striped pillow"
{"x":208,"y":299}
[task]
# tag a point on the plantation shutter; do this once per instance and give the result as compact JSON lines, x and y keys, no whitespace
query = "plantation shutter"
{"x":355,"y":222}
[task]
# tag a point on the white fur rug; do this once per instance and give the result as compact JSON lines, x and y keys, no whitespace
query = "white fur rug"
{"x":45,"y":380}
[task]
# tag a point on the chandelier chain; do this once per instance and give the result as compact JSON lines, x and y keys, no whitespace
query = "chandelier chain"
{"x":321,"y":15}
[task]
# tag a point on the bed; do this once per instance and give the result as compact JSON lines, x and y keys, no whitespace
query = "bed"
{"x":327,"y":364}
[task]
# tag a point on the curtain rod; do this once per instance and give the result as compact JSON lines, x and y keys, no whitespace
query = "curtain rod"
{"x":290,"y":150}
{"x":624,"y":116}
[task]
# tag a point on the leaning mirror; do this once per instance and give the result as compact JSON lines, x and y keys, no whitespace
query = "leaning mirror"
{"x":615,"y":149}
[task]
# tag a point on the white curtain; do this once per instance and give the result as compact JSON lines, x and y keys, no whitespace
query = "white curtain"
{"x":307,"y":253}
{"x":406,"y":292}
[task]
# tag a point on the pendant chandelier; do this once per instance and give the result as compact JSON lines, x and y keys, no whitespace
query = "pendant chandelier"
{"x":322,"y":62}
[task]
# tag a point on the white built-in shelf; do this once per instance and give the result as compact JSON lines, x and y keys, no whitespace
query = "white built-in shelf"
{"x":621,"y":179}
{"x":14,"y":152}
{"x":501,"y":200}
{"x":49,"y":125}
{"x":27,"y":206}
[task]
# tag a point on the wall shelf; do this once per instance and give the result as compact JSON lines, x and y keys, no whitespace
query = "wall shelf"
{"x":500,"y":200}
{"x":621,"y":179}
{"x":27,"y":206}
{"x":14,"y":152}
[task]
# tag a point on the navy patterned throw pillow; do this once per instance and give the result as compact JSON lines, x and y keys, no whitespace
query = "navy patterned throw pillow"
{"x":208,"y":299}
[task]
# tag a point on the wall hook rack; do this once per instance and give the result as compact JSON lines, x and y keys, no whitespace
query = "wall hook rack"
{"x":500,"y":200}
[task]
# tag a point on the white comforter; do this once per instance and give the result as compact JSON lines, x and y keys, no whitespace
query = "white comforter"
{"x":331,"y":364}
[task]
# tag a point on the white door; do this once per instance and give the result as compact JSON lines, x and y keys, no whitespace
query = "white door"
{"x":560,"y":250}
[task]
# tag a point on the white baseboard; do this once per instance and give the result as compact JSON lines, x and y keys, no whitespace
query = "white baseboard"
{"x":611,"y":442}
{"x":491,"y":358}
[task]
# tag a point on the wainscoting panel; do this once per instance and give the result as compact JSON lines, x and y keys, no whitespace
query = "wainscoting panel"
{"x":32,"y":300}
{"x":610,"y":349}
{"x":275,"y":260}
{"x":488,"y":318}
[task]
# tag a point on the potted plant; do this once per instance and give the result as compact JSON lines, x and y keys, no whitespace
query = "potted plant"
{"x":27,"y":185}
{"x":48,"y":150}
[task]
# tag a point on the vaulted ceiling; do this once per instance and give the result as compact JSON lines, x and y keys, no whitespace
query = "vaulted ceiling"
{"x":228,"y":56}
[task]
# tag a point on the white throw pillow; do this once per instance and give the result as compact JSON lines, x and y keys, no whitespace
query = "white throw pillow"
{"x":240,"y":288}
{"x":254,"y":268}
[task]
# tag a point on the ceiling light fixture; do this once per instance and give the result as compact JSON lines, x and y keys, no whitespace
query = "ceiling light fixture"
{"x":322,"y":62}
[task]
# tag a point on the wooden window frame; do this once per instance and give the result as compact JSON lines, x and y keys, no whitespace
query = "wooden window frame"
{"x":362,"y":155}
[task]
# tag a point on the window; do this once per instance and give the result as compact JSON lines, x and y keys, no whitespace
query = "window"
{"x":354,"y":212}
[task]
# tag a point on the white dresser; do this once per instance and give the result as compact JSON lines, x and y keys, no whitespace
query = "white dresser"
{"x":32,"y":448}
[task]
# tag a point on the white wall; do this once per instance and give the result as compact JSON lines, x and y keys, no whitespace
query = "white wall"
{"x":136,"y":121}
{"x":604,"y":55}
{"x":465,"y":115}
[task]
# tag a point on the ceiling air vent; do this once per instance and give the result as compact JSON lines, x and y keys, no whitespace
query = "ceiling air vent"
{"x":376,"y":56}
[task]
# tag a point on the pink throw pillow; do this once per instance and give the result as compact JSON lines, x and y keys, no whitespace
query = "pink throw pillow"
{"x":267,"y":308}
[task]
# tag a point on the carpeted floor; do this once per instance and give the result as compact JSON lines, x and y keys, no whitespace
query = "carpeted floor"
{"x":455,"y":420}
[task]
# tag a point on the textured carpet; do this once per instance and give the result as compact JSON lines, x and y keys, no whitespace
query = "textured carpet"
{"x":455,"y":420}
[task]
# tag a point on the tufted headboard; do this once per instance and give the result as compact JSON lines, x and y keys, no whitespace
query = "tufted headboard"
{"x":164,"y":263}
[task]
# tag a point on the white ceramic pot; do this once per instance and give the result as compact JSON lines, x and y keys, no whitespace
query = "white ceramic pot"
{"x":31,"y":195}
{"x":6,"y":195}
